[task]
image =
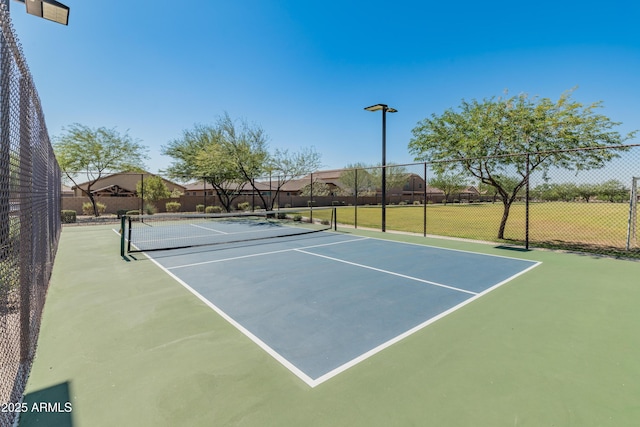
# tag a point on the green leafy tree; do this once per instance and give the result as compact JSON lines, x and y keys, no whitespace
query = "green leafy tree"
{"x":586,"y":191}
{"x":546,"y":192}
{"x":319,"y":189}
{"x":566,"y":191}
{"x":357,"y":179}
{"x":92,"y":152}
{"x":396,"y":176}
{"x":449,"y":182}
{"x":230,"y":155}
{"x":152,"y":189}
{"x":508,"y":182}
{"x":486,"y":134}
{"x":202,"y":153}
{"x":613,"y":191}
{"x":287,"y":166}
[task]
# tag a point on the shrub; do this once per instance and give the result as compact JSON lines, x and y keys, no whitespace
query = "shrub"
{"x":281,"y":215}
{"x":244,"y":206}
{"x":287,"y":205}
{"x":297,"y":217}
{"x":133,"y":212}
{"x":172,"y":206}
{"x":200,"y":208}
{"x":87,"y":208}
{"x":416,"y":203}
{"x":68,"y":216}
{"x":213,"y":209}
{"x":121,"y":213}
{"x":150,"y":209}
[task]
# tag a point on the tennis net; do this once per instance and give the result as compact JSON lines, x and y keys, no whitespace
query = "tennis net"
{"x":143,"y":233}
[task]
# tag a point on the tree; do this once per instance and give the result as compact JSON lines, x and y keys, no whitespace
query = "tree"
{"x":317,"y":188}
{"x":490,"y":139}
{"x":202,"y":153}
{"x":230,"y":156}
{"x":358,"y":179}
{"x":449,"y":183}
{"x":396,"y":176}
{"x":613,"y":191}
{"x":286,"y":166}
{"x":586,"y":191}
{"x":93,"y":152}
{"x":566,"y":191}
{"x":152,"y":189}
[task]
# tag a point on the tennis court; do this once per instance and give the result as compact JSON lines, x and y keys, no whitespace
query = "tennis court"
{"x":336,"y":328}
{"x":321,"y":302}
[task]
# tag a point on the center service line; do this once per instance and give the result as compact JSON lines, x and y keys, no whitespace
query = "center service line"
{"x":388,"y":272}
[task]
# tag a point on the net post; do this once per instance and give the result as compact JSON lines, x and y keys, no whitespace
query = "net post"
{"x":129,"y":235}
{"x":334,"y":218}
{"x":122,"y":225}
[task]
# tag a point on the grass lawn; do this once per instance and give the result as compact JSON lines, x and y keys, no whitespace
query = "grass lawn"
{"x":583,"y":225}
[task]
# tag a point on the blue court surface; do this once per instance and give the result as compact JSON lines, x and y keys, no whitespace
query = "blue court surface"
{"x":321,"y":303}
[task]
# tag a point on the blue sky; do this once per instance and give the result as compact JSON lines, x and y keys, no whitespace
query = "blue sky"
{"x":305,"y":70}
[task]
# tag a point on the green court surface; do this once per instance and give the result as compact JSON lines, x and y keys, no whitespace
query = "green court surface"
{"x":127,"y":345}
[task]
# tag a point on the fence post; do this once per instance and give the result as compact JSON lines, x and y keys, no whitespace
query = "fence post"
{"x":526,"y":198}
{"x":633,"y":214}
{"x":311,"y":199}
{"x":204,"y":193}
{"x":424,"y":206}
{"x":355,"y":201}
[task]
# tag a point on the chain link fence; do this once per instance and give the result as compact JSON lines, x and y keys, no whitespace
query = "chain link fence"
{"x":29,"y":218}
{"x":592,"y":210}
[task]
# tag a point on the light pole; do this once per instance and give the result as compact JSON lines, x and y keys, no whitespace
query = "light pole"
{"x":384,"y":108}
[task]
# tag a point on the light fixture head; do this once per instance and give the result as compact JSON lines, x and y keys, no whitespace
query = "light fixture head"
{"x":383,"y":107}
{"x":376,"y":107}
{"x":48,"y":9}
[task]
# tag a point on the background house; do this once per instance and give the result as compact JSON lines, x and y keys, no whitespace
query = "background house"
{"x":121,"y":184}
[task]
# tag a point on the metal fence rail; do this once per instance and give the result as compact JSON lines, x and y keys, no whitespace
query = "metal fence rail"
{"x":590,"y":210}
{"x":29,"y":217}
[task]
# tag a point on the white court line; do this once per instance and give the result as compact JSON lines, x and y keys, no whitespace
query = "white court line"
{"x":296,"y":371}
{"x":208,"y":229}
{"x":265,"y":253}
{"x":413,"y":330}
{"x":449,"y":249}
{"x":404,"y":276}
{"x":290,"y":366}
